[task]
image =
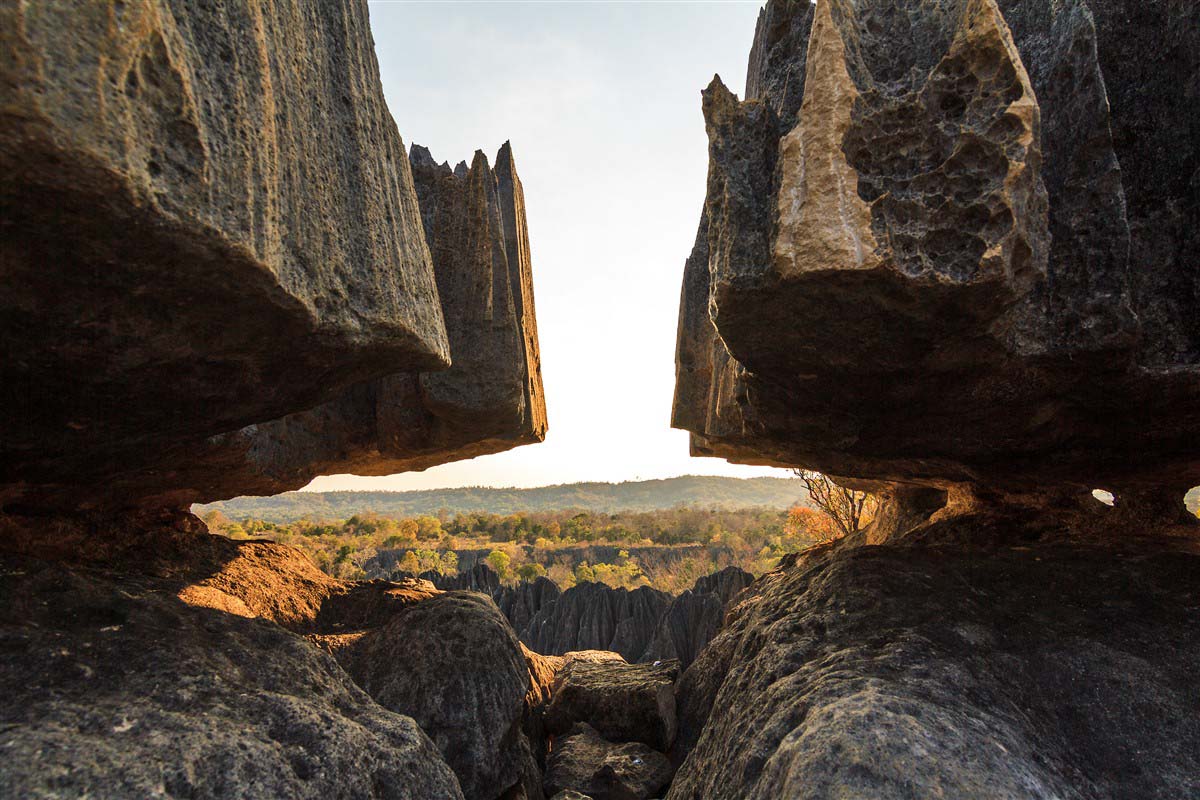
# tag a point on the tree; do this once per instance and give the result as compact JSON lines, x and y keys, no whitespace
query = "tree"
{"x":530,"y":571}
{"x":498,"y":560}
{"x":849,"y":509}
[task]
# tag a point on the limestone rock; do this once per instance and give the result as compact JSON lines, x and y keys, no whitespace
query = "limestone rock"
{"x":115,"y":688}
{"x":187,"y":195}
{"x":695,"y":617}
{"x":226,"y":261}
{"x":1046,"y":669}
{"x":938,"y":247}
{"x":624,"y":702}
{"x":452,"y":663}
{"x":583,"y":762}
{"x":593,"y":616}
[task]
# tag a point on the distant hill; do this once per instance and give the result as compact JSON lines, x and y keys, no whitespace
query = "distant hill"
{"x":690,"y":490}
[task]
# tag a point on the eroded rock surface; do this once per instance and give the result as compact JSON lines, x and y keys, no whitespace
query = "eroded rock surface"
{"x":939,"y":248}
{"x":217,"y":267}
{"x":187,"y":195}
{"x":453,"y":664}
{"x":976,"y":657}
{"x":624,"y":702}
{"x":583,"y":764}
{"x":116,"y":688}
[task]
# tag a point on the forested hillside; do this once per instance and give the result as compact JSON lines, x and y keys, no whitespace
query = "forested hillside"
{"x":689,"y":490}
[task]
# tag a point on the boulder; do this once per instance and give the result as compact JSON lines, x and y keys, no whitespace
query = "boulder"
{"x":624,"y":702}
{"x":1048,"y":668}
{"x":452,"y":663}
{"x":116,"y":688}
{"x":583,"y":764}
{"x":217,"y":265}
{"x":940,"y":248}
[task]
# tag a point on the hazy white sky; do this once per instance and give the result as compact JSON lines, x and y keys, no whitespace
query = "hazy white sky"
{"x":602,"y":104}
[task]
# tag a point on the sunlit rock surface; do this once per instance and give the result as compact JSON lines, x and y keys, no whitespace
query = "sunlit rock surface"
{"x":943,"y":244}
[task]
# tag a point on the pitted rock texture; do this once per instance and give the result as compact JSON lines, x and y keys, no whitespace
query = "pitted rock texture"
{"x":217,"y":263}
{"x":624,"y":702}
{"x":453,"y":664}
{"x":189,"y":194}
{"x":1048,"y":668}
{"x":115,"y":688}
{"x":938,"y":247}
{"x":585,"y":764}
{"x":489,"y":400}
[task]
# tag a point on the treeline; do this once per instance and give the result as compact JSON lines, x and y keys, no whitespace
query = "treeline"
{"x":667,"y":549}
{"x":703,"y":491}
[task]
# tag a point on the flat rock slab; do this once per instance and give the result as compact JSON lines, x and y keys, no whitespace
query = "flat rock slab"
{"x":583,"y":762}
{"x":624,"y":702}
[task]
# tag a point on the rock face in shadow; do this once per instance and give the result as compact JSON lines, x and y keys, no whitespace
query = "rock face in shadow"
{"x":1032,"y":666}
{"x":695,"y":617}
{"x":940,"y":248}
{"x":217,"y":268}
{"x":116,"y":688}
{"x":453,"y":664}
{"x":641,"y":625}
{"x":623,"y":702}
{"x":592,"y":616}
{"x":583,"y":761}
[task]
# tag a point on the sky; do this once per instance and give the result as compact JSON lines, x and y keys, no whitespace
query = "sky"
{"x":601,"y":101}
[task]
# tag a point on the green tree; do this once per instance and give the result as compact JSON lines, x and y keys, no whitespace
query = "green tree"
{"x":531,"y":571}
{"x":499,"y":560}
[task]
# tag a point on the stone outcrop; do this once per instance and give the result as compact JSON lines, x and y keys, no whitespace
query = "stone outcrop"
{"x":944,"y":245}
{"x":642,"y":626}
{"x":218,"y":263}
{"x":583,"y":764}
{"x":695,"y":617}
{"x":592,"y":616}
{"x":976,"y":657}
{"x":114,"y":687}
{"x":453,"y":664}
{"x":624,"y":702}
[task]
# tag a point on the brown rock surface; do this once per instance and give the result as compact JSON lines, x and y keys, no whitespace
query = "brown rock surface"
{"x":624,"y":702}
{"x":583,"y":762}
{"x":929,"y":252}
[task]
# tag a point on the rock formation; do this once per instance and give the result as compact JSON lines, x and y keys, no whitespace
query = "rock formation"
{"x":117,"y":687}
{"x":624,"y":702}
{"x":582,"y":760}
{"x":453,"y":664}
{"x":1019,"y":669}
{"x":944,"y":245}
{"x":947,"y":257}
{"x":695,"y":616}
{"x":216,"y":268}
{"x":643,"y":625}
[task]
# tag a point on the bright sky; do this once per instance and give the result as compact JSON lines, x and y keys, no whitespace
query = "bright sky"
{"x":602,"y":103}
